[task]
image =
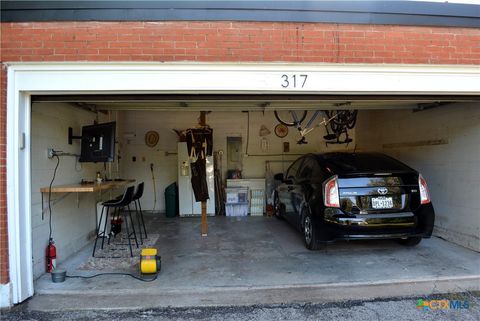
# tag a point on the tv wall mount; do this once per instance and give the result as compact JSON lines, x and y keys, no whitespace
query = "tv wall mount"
{"x":71,"y":137}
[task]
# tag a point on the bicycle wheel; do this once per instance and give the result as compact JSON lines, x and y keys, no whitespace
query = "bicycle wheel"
{"x":291,"y":121}
{"x":345,"y":118}
{"x":353,"y":121}
{"x":337,"y":128}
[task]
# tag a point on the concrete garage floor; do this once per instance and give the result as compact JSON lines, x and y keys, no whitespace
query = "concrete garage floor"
{"x":259,"y":260}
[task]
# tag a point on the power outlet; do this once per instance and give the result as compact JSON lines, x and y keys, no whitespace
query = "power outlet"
{"x":50,"y":153}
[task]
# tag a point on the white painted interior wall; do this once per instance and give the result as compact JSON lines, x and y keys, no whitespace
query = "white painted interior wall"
{"x":72,"y":224}
{"x":452,"y":170}
{"x":224,"y":124}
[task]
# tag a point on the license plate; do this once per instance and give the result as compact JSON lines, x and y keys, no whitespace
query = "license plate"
{"x":382,"y":202}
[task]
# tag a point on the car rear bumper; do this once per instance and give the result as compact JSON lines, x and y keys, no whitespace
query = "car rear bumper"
{"x":336,"y":225}
{"x":333,"y":233}
{"x":391,"y":220}
{"x":378,"y":236}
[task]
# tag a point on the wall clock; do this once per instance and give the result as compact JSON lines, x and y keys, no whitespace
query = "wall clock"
{"x":281,"y":130}
{"x":151,"y":138}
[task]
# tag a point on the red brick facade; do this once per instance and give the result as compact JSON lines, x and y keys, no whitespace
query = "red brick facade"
{"x":223,"y":42}
{"x":238,"y":41}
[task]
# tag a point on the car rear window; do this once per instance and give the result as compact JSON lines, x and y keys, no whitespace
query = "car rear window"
{"x":364,"y":163}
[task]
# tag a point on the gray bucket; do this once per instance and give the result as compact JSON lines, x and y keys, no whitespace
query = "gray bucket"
{"x":58,"y":276}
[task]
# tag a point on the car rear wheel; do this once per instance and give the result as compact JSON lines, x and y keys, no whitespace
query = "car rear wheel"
{"x":309,"y":232}
{"x":410,"y":241}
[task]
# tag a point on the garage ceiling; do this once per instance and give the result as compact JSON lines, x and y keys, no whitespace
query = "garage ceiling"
{"x":211,"y":102}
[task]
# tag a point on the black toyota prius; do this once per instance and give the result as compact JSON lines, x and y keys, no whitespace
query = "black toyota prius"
{"x":346,"y":196}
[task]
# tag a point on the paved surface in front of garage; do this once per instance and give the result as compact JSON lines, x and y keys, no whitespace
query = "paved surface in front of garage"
{"x":259,"y":260}
{"x":387,"y":309}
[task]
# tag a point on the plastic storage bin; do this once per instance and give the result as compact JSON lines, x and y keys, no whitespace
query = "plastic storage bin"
{"x":236,"y":209}
{"x":236,"y":195}
{"x":251,"y":184}
{"x":236,"y":202}
{"x":257,"y":201}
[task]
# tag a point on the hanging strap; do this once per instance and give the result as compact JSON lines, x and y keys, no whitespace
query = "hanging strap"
{"x":193,"y":153}
{"x":204,"y":149}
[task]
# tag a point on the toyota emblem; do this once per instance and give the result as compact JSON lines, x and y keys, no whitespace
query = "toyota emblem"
{"x":382,"y":190}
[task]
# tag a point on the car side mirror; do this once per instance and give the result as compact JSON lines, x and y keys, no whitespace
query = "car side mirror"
{"x":278,"y":177}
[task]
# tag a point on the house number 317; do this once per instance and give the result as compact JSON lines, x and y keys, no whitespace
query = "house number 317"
{"x":294,"y":81}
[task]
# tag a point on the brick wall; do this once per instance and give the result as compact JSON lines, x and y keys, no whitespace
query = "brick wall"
{"x":223,"y":42}
{"x":238,"y":41}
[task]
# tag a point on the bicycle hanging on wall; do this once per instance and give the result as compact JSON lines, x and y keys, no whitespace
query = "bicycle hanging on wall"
{"x":336,"y":122}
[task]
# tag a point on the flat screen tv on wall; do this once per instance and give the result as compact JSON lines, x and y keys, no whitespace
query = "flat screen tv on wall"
{"x":98,"y":143}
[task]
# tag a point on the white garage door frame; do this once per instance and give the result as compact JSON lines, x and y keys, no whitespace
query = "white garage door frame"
{"x":26,"y":79}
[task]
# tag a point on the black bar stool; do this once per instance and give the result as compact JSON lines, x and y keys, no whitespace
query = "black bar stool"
{"x":117,"y":204}
{"x":136,"y":199}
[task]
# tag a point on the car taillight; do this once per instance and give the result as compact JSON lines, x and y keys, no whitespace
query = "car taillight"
{"x":424,"y":195}
{"x":331,"y":198}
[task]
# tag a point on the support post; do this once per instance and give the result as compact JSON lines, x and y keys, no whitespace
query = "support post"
{"x":204,"y":219}
{"x":202,"y":123}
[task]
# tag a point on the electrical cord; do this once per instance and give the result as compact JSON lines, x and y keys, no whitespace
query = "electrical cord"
{"x":154,"y":188}
{"x":113,"y":273}
{"x":76,"y":163}
{"x":50,"y":198}
{"x":57,"y":154}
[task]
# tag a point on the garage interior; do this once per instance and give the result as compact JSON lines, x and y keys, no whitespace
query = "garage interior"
{"x":438,"y":136}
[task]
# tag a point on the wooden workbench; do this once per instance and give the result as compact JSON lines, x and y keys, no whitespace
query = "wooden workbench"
{"x":88,"y":188}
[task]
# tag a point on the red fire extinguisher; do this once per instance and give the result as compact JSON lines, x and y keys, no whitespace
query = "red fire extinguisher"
{"x":51,"y":256}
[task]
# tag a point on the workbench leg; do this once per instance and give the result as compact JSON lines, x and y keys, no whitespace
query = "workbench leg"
{"x":204,"y":219}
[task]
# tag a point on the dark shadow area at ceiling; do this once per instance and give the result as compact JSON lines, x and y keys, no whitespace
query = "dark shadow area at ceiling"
{"x":249,"y":97}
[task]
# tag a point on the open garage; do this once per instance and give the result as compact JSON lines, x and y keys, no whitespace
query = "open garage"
{"x":431,"y":132}
{"x":150,"y":152}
